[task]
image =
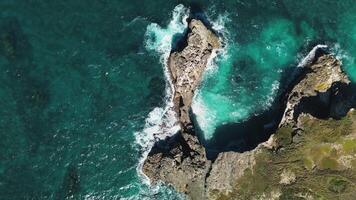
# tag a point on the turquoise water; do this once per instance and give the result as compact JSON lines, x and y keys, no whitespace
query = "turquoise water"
{"x":84,"y":89}
{"x":261,"y":47}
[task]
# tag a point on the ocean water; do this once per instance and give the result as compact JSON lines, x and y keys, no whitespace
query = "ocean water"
{"x":85,"y":91}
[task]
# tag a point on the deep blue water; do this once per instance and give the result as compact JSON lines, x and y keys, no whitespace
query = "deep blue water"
{"x":83,"y":83}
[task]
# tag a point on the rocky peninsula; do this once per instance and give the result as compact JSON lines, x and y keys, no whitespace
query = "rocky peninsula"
{"x":311,"y":155}
{"x":181,"y":160}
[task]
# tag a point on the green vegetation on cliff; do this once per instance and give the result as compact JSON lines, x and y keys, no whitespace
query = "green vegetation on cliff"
{"x":318,"y":163}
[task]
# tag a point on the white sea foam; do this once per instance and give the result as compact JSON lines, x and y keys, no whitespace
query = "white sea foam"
{"x":161,"y":121}
{"x":218,"y":25}
{"x":160,"y":39}
{"x":307,"y":60}
{"x":206,"y":117}
{"x":341,"y":54}
{"x":272,"y":95}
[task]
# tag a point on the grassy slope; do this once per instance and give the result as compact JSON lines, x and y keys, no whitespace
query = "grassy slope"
{"x":320,"y":163}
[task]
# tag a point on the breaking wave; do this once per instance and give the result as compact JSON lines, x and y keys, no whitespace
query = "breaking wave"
{"x":161,"y":121}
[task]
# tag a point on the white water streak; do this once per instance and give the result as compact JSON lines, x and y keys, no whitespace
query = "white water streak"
{"x":205,"y":117}
{"x":307,"y":60}
{"x":161,"y":121}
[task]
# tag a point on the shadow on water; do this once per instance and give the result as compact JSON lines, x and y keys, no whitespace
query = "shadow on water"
{"x":334,"y":103}
{"x":247,"y":135}
{"x":180,"y":41}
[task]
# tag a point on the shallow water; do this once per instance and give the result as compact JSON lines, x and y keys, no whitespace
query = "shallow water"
{"x":84,"y":88}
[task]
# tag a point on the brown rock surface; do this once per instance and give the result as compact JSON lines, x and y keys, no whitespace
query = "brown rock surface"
{"x":187,"y":67}
{"x":319,"y":80}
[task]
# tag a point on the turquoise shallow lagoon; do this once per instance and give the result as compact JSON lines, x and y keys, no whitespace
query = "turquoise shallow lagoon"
{"x":82,"y":82}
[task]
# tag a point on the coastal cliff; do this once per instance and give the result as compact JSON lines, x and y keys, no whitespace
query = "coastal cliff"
{"x":311,"y":155}
{"x":181,"y":160}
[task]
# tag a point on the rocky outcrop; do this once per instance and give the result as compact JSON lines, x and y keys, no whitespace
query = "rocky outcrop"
{"x":275,"y":169}
{"x":187,"y":68}
{"x":322,"y":90}
{"x":180,"y":160}
{"x":307,"y":138}
{"x":321,"y":79}
{"x":226,"y":169}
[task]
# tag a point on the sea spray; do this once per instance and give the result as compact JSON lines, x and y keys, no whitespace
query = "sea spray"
{"x":348,"y":61}
{"x":308,"y":59}
{"x":245,"y":80}
{"x":205,"y":117}
{"x":161,"y":121}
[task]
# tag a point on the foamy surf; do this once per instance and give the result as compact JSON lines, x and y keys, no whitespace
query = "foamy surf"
{"x":205,"y":117}
{"x":161,"y":121}
{"x":209,"y":118}
{"x":308,"y":59}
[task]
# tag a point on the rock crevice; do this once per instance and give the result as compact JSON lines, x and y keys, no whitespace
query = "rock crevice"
{"x":187,"y":67}
{"x":181,"y":160}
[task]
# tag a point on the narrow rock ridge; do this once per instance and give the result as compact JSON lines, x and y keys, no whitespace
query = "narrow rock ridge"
{"x":187,"y":67}
{"x":180,"y":160}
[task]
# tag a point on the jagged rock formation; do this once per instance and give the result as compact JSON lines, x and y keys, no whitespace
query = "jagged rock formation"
{"x":181,"y":160}
{"x":322,"y":90}
{"x":322,"y":78}
{"x":309,"y":157}
{"x":226,"y":169}
{"x":187,"y":67}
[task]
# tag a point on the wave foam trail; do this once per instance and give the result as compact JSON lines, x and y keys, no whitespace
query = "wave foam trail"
{"x":160,"y":39}
{"x":307,"y":60}
{"x":161,"y":121}
{"x":206,"y":118}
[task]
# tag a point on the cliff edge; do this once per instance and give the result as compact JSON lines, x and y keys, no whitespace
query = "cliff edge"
{"x":181,"y":160}
{"x":311,"y":155}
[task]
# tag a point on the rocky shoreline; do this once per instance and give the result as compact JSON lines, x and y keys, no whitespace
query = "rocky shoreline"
{"x":321,"y":91}
{"x":181,"y":160}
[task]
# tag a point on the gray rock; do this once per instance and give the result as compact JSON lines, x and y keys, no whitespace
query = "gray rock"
{"x":181,"y":160}
{"x":187,"y":68}
{"x":317,"y":87}
{"x":226,"y":169}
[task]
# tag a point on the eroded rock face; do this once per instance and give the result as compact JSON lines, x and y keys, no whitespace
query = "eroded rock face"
{"x":181,"y":160}
{"x":321,"y":90}
{"x":322,"y":80}
{"x":281,"y":167}
{"x":226,"y":169}
{"x":187,"y":68}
